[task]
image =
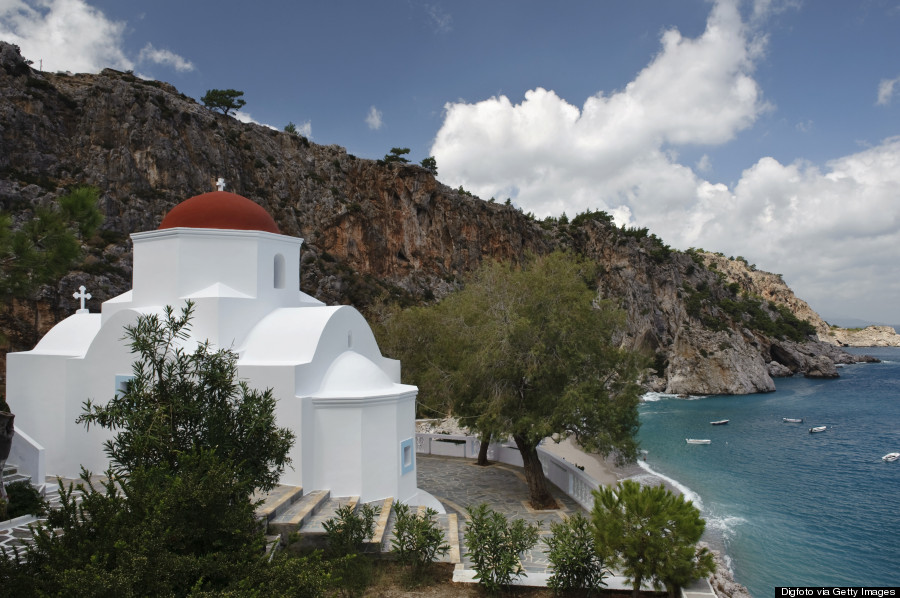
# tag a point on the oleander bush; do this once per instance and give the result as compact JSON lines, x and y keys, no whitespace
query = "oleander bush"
{"x":418,"y":539}
{"x":573,"y":557}
{"x":495,"y":546}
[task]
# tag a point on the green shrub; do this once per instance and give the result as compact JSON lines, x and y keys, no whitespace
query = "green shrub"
{"x":495,"y":546}
{"x":24,"y":499}
{"x":418,"y":540}
{"x":573,"y":559}
{"x":346,"y":531}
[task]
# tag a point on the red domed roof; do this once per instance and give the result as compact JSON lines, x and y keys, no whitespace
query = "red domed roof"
{"x":220,"y":209}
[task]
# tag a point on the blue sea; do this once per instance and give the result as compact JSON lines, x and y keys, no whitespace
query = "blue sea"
{"x":787,"y":507}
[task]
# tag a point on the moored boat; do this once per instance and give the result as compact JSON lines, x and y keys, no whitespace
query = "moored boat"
{"x":792,"y":420}
{"x":697,"y":441}
{"x":720,"y":422}
{"x":817,"y":429}
{"x":891,"y":457}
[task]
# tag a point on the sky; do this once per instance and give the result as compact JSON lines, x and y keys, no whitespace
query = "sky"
{"x":767,"y":129}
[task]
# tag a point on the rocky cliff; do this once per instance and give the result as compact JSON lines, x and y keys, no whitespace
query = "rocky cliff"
{"x":372,"y":229}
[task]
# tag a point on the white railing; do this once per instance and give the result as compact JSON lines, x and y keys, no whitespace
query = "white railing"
{"x":28,"y":456}
{"x":568,"y":478}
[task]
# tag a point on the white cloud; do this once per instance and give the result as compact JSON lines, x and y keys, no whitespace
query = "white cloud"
{"x":886,"y":91}
{"x":70,"y":35}
{"x":165,"y":57}
{"x":442,"y":21}
{"x":305,"y":129}
{"x":373,"y":119}
{"x":832,"y":232}
{"x":245,"y":117}
{"x":64,"y":35}
{"x":549,"y":155}
{"x":618,"y":153}
{"x":704,"y":164}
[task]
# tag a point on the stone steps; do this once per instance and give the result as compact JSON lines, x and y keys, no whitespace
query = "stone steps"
{"x":11,"y":474}
{"x":297,"y":513}
{"x":277,"y":501}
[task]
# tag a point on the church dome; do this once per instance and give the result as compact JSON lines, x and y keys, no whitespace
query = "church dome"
{"x":352,"y":374}
{"x":220,"y":209}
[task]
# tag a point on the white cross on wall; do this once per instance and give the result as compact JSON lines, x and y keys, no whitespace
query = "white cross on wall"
{"x":83,"y":296}
{"x":220,"y":184}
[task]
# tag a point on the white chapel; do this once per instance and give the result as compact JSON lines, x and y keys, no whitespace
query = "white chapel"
{"x":354,"y":421}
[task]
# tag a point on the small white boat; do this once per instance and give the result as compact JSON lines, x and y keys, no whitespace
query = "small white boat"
{"x":792,"y":420}
{"x":720,"y":422}
{"x":891,"y":457}
{"x":818,"y":429}
{"x":697,"y":441}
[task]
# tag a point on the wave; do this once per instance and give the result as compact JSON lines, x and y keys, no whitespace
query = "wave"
{"x":652,"y":473}
{"x":652,"y":397}
{"x":722,"y":527}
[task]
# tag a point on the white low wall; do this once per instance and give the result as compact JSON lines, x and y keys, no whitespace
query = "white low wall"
{"x":28,"y":457}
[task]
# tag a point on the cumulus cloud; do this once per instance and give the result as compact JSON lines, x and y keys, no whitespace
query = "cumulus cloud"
{"x":833,"y":232}
{"x":549,"y":155}
{"x":886,"y":91}
{"x":373,"y":119}
{"x":70,"y":35}
{"x":165,"y":57}
{"x":64,"y":35}
{"x":617,"y":152}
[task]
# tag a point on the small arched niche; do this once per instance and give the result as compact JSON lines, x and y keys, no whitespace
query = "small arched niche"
{"x":279,"y":271}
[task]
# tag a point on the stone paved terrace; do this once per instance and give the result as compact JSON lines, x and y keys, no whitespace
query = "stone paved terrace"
{"x":459,"y":483}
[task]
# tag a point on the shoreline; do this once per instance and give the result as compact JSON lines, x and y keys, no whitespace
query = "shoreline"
{"x":607,"y":473}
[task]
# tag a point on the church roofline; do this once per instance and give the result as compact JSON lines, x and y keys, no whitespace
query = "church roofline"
{"x":211,"y":232}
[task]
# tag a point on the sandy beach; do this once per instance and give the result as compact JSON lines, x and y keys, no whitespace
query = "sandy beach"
{"x":604,"y":471}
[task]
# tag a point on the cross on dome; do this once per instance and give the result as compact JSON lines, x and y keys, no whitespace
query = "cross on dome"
{"x":80,"y":294}
{"x":220,"y":184}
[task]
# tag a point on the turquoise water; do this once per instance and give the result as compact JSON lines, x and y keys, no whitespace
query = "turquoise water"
{"x":788,"y":507}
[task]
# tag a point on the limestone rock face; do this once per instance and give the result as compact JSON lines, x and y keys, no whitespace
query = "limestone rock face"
{"x":731,"y":365}
{"x":771,"y":287}
{"x":779,"y":370}
{"x":372,"y":229}
{"x":821,"y":367}
{"x":871,"y":336}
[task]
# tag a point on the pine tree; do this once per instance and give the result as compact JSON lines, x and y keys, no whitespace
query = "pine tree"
{"x":651,"y":534}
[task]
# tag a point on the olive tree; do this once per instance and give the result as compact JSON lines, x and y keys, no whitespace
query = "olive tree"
{"x":529,"y":352}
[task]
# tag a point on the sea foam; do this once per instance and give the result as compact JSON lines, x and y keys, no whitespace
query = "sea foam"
{"x":652,"y":473}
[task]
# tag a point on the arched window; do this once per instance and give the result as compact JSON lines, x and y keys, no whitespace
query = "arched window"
{"x":279,"y":271}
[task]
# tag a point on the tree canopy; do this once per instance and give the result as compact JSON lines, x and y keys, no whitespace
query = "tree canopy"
{"x":525,"y":351}
{"x":430,"y":164}
{"x":48,"y":245}
{"x":181,"y":402}
{"x":651,"y":533}
{"x":224,"y":100}
{"x":176,"y":516}
{"x":397,"y":154}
